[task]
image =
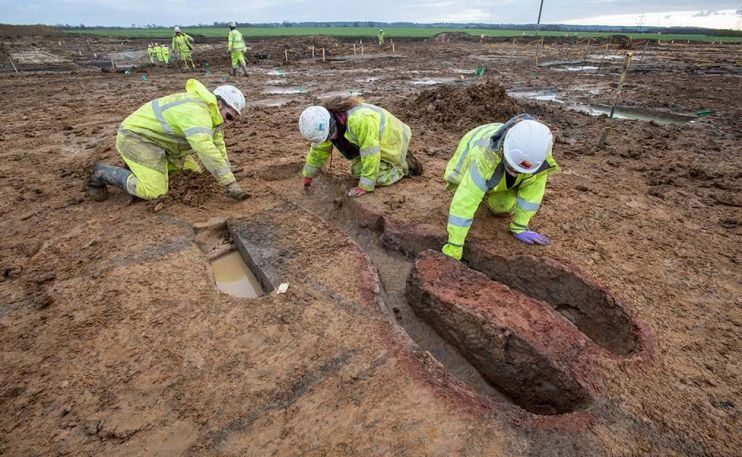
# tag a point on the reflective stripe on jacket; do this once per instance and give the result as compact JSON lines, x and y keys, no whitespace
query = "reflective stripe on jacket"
{"x":183,"y":123}
{"x":235,"y":41}
{"x":380,"y":137}
{"x":476,"y":169}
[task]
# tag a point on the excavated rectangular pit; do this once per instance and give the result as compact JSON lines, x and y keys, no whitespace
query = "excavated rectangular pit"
{"x":592,"y":309}
{"x":326,"y":201}
{"x":233,"y":276}
{"x":535,"y":372}
{"x":501,"y":333}
{"x":235,"y":271}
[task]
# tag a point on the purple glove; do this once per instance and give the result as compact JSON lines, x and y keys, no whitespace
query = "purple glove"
{"x":530,"y":237}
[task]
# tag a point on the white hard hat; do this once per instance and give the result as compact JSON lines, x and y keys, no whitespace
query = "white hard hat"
{"x":314,"y":124}
{"x":232,"y":96}
{"x":233,"y":24}
{"x":526,"y":145}
{"x":177,"y":29}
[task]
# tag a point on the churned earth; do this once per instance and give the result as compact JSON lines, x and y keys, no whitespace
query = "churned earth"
{"x":621,"y":338}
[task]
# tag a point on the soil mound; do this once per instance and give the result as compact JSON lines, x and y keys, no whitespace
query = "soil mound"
{"x":462,"y":107}
{"x":321,"y":41}
{"x":455,"y":36}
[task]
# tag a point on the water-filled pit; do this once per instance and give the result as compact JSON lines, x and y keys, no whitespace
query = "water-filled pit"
{"x":233,"y":276}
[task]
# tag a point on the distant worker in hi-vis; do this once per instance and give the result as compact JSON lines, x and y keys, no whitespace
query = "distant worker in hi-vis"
{"x":236,"y":49}
{"x":507,"y":165}
{"x":375,"y":142}
{"x":165,"y":54}
{"x":158,"y":53}
{"x":182,"y":44}
{"x":151,"y":53}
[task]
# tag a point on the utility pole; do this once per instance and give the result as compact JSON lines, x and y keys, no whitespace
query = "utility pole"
{"x":538,"y":21}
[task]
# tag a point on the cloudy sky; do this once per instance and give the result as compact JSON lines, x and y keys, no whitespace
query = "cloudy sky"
{"x":707,"y":13}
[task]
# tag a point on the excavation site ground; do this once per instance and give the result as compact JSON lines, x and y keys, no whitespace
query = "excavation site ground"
{"x":308,"y":323}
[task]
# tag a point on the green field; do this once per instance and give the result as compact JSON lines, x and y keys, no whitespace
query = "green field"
{"x":370,"y":33}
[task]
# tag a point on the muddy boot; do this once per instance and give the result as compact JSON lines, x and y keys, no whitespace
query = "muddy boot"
{"x":415,"y":166}
{"x":104,"y":175}
{"x":244,"y":70}
{"x":96,"y":188}
{"x":233,"y":71}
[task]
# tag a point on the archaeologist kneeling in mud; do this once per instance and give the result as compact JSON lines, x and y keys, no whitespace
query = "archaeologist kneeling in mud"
{"x":508,"y":164}
{"x":370,"y":137}
{"x":159,"y":137}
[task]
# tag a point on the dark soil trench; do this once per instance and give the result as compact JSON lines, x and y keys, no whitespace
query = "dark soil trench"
{"x":586,"y":305}
{"x":326,"y":201}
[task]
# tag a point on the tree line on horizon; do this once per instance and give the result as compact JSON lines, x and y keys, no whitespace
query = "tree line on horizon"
{"x":391,"y":25}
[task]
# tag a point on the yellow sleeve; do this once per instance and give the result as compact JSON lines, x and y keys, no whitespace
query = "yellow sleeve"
{"x":318,"y":155}
{"x":528,"y":201}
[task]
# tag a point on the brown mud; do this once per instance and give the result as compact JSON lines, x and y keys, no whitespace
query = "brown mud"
{"x":116,"y":340}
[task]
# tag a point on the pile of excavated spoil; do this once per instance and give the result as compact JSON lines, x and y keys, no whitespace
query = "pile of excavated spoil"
{"x":190,"y":188}
{"x":461,"y":108}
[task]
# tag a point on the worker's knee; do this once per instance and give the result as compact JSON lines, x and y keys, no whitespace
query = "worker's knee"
{"x":501,"y":203}
{"x":147,"y":190}
{"x":145,"y":182}
{"x":390,"y":175}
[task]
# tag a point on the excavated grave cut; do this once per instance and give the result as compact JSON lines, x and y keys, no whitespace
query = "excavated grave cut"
{"x":590,"y":307}
{"x":235,"y":273}
{"x":532,"y":368}
{"x":233,"y":276}
{"x":514,"y":341}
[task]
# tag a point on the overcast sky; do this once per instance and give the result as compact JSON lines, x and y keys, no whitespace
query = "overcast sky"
{"x":706,"y":13}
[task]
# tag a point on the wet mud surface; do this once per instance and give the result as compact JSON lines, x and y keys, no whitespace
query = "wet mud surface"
{"x":621,"y":338}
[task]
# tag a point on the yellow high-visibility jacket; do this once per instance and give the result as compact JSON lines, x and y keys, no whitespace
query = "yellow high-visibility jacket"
{"x":182,"y":42}
{"x":235,"y":42}
{"x":183,"y":123}
{"x":379,"y":136}
{"x":476,"y":169}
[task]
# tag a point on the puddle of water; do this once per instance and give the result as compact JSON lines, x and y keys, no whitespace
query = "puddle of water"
{"x":542,"y":95}
{"x":276,"y":73}
{"x":577,"y":68}
{"x":233,"y":277}
{"x":608,"y":57}
{"x":432,"y":82}
{"x":285,"y":90}
{"x":341,"y":93}
{"x":597,"y":110}
{"x":633,"y":114}
{"x":270,"y":102}
{"x":367,"y":80}
{"x":277,"y":82}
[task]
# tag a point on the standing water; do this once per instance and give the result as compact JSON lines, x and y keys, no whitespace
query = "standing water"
{"x":233,"y":277}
